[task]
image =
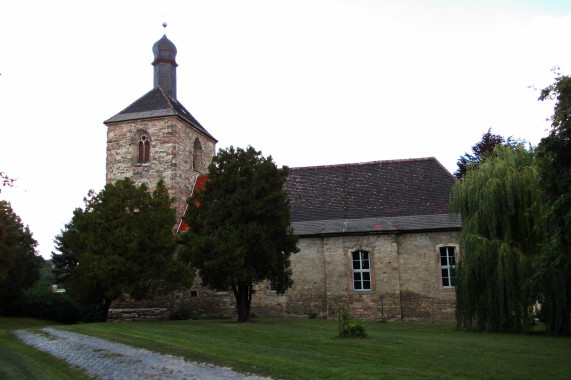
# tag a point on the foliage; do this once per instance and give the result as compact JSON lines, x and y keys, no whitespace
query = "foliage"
{"x":483,"y":149}
{"x":64,"y":262}
{"x":43,"y":303}
{"x":123,"y":243}
{"x":349,"y":326}
{"x":5,"y":180}
{"x":310,"y":349}
{"x":180,"y":313}
{"x":554,"y":162}
{"x":498,"y":202}
{"x":40,"y":301}
{"x":240,"y":232}
{"x":19,"y":262}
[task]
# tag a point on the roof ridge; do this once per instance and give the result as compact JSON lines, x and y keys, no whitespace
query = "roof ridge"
{"x":169,"y":102}
{"x":353,"y":164}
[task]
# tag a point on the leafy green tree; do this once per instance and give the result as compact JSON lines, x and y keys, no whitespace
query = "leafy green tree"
{"x":240,"y":232}
{"x":483,"y":149}
{"x":40,"y":301}
{"x":19,"y":263}
{"x":123,"y":242}
{"x":498,"y":202}
{"x":554,"y":161}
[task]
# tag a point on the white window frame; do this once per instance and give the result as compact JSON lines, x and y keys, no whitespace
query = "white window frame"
{"x":447,"y":266}
{"x":361,"y":270}
{"x":271,"y":287}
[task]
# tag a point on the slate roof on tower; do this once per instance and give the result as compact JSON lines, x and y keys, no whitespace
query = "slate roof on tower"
{"x":156,"y":103}
{"x":161,"y":101}
{"x":381,"y":196}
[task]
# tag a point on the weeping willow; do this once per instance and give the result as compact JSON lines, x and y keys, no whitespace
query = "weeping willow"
{"x":500,"y":237}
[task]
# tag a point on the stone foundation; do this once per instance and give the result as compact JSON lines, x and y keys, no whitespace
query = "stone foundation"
{"x":138,"y":314}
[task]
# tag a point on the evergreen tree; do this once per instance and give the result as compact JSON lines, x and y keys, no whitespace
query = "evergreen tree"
{"x":64,"y":263}
{"x":240,"y":232}
{"x":554,"y":160}
{"x":481,"y":150}
{"x":498,"y":202}
{"x":19,"y":263}
{"x":123,"y":243}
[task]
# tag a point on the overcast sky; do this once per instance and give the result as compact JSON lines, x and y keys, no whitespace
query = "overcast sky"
{"x":309,"y":82}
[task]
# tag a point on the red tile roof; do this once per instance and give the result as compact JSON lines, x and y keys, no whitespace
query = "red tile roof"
{"x":199,"y":184}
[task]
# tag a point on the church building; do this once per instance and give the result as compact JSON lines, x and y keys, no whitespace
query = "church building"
{"x":377,"y":237}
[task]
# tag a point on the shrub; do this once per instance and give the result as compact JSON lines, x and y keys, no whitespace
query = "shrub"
{"x":180,"y":313}
{"x":41,"y":302}
{"x":349,"y":326}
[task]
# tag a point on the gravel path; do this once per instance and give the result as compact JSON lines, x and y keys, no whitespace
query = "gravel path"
{"x":106,"y":360}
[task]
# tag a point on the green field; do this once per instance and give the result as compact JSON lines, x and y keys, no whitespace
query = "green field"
{"x":18,"y":361}
{"x":311,"y":349}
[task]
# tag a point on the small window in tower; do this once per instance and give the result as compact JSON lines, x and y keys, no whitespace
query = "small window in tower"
{"x":197,"y":155}
{"x":144,"y":150}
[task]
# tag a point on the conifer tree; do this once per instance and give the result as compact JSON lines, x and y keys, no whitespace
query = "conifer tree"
{"x":123,"y":242}
{"x":483,"y":149}
{"x":64,"y":262}
{"x":240,"y":232}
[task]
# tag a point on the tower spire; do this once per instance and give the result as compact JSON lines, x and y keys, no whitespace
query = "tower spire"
{"x":165,"y":65}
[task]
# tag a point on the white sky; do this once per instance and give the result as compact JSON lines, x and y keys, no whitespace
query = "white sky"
{"x":310,"y":82}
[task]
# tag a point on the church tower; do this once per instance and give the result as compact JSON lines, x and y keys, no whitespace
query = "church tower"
{"x":157,"y":138}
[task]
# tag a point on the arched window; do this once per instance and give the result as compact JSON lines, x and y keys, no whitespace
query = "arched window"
{"x":144,"y":150}
{"x":197,"y":155}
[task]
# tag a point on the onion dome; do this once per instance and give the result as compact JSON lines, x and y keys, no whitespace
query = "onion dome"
{"x":165,"y":66}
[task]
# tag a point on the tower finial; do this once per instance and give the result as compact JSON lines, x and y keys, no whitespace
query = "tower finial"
{"x":165,"y":26}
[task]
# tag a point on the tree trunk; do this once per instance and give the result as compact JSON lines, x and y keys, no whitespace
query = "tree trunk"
{"x":105,"y":311}
{"x":243,"y":295}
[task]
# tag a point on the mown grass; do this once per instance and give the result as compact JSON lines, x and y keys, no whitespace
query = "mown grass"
{"x":18,"y":361}
{"x":311,"y":349}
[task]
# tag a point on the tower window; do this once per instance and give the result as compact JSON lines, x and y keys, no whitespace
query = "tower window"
{"x":144,"y":150}
{"x":197,"y":155}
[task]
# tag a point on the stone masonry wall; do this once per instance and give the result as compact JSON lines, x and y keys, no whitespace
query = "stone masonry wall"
{"x":382,"y":301}
{"x":172,"y":142}
{"x":422,"y":296}
{"x":406,"y":279}
{"x":307,"y":296}
{"x":406,"y":285}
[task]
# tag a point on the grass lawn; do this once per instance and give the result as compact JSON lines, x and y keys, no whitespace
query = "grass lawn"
{"x":18,"y":361}
{"x":311,"y":349}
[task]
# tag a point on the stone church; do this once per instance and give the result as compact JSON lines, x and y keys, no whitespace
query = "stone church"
{"x":377,"y":237}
